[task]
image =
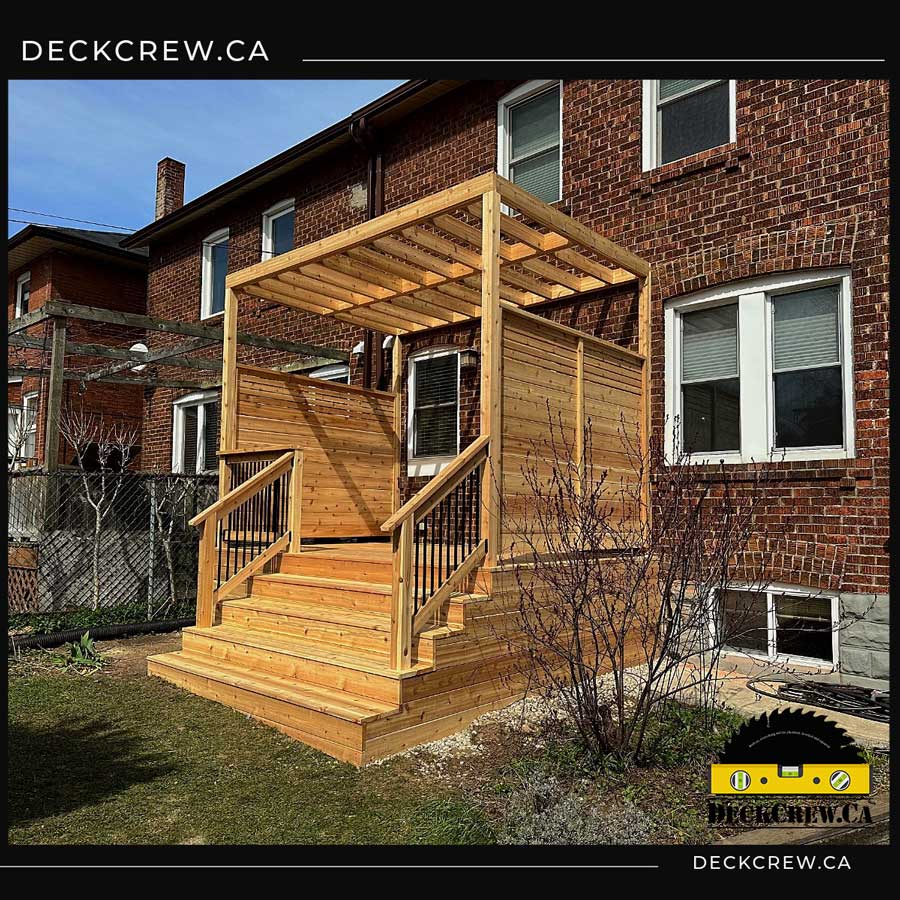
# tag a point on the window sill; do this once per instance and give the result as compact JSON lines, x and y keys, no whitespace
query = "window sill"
{"x":730,"y":157}
{"x":846,"y":471}
{"x":208,"y":316}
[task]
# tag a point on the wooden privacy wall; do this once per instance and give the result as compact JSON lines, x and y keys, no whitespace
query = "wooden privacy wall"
{"x":554,"y":381}
{"x":347,"y":437}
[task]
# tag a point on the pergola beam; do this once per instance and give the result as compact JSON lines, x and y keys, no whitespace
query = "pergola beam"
{"x":111,"y":379}
{"x":152,"y":356}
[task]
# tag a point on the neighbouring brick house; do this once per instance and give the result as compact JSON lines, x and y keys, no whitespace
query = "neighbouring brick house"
{"x":88,"y":268}
{"x":762,"y":207}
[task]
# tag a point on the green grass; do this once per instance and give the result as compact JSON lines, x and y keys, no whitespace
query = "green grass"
{"x":104,"y":760}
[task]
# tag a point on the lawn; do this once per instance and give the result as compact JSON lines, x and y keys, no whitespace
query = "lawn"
{"x":110,"y":758}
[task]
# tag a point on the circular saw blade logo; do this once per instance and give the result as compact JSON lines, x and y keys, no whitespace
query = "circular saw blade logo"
{"x":790,"y":752}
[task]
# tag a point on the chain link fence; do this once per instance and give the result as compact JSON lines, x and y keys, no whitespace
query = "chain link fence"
{"x":101,"y":548}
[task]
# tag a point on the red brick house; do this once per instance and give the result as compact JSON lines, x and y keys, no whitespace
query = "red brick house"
{"x":762,"y":209}
{"x":89,"y":268}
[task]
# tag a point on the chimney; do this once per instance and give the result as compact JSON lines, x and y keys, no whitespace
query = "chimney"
{"x":169,"y":186}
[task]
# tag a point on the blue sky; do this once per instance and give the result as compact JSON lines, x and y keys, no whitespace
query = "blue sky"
{"x":88,"y":149}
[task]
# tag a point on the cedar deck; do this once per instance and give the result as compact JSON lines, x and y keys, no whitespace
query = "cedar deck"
{"x":364,"y":648}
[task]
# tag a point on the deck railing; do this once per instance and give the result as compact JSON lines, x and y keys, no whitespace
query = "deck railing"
{"x":437,"y":544}
{"x":249,"y":526}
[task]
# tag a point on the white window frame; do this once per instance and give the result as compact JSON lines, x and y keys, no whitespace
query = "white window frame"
{"x":772,"y":590}
{"x":426,"y":465}
{"x":20,"y":281}
{"x":206,"y":279}
{"x":519,"y":95}
{"x":199,"y":399}
{"x":285,"y":207}
{"x":650,"y":120}
{"x":755,"y":366}
{"x":339,"y":373}
{"x":30,"y":400}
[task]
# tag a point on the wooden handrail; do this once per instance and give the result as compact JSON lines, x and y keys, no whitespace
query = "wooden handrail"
{"x":235,"y":497}
{"x":432,"y":493}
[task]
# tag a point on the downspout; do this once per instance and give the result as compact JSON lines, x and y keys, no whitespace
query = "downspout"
{"x":368,"y":140}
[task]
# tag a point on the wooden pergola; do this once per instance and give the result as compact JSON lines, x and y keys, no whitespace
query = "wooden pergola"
{"x":458,"y":255}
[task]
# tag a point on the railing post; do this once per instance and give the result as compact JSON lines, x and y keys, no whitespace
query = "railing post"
{"x":206,"y":577}
{"x":295,"y":510}
{"x":228,"y":406}
{"x":402,"y":611}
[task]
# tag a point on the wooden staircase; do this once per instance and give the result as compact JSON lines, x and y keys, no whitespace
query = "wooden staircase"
{"x":308,"y":651}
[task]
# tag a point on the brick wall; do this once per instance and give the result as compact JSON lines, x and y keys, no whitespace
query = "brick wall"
{"x":58,"y":275}
{"x":805,"y":185}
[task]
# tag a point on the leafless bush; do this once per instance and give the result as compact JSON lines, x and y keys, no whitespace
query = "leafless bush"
{"x":620,"y":590}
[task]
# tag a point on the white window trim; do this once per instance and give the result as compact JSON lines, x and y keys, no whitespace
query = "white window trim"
{"x":269,"y":216}
{"x":21,"y":280}
{"x":757,"y":405}
{"x":649,"y":129}
{"x":329,"y":373}
{"x":507,"y":101}
{"x":792,"y":590}
{"x":217,"y":237}
{"x":199,"y":399}
{"x":30,"y":400}
{"x":423,"y":466}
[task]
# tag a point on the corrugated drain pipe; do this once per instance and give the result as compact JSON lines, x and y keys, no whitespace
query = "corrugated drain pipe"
{"x":97,"y":633}
{"x":366,"y":137}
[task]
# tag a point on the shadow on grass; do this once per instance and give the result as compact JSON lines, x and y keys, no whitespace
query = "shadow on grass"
{"x":61,"y":769}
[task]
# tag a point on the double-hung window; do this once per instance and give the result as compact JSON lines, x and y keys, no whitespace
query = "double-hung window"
{"x":23,"y":293}
{"x":214,"y":268}
{"x":278,"y":229}
{"x":683,"y":116}
{"x":433,"y":424}
{"x":195,"y":440}
{"x":529,"y":138}
{"x":762,"y":369}
{"x":28,"y":425}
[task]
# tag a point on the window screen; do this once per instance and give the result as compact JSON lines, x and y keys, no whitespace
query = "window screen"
{"x":693,"y":115}
{"x":211,"y":435}
{"x":745,"y":622}
{"x":803,"y":627}
{"x":710,"y":386}
{"x":189,"y":428}
{"x":436,"y":406}
{"x":807,"y":369}
{"x":534,"y":144}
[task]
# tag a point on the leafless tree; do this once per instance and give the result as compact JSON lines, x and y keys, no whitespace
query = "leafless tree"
{"x":620,"y":589}
{"x":109,"y":445}
{"x":170,"y":495}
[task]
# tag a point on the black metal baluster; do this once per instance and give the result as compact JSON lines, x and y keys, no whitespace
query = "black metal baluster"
{"x":431,"y":518}
{"x":418,"y":537}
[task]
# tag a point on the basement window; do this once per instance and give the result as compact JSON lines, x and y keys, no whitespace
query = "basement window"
{"x":214,"y":268}
{"x":433,"y":416}
{"x":529,"y":138}
{"x":278,"y":229}
{"x":195,"y":433}
{"x":684,"y":116}
{"x":781,"y":623}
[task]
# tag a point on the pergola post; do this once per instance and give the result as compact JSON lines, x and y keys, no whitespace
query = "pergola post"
{"x":228,"y":419}
{"x":491,"y":387}
{"x":54,"y":395}
{"x":644,"y":290}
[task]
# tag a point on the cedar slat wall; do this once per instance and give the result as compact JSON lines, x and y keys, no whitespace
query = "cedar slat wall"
{"x":347,"y":438}
{"x":541,"y":368}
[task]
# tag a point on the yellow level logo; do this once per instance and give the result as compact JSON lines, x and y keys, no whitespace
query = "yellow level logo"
{"x":771,"y":778}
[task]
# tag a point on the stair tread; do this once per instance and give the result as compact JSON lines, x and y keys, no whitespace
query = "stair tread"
{"x":371,"y":587}
{"x":319,"y":612}
{"x":305,"y":648}
{"x":343,"y":705}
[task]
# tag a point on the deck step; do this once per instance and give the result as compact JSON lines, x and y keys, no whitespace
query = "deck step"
{"x":362,"y":631}
{"x":329,"y":719}
{"x":342,"y":592}
{"x":302,"y":660}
